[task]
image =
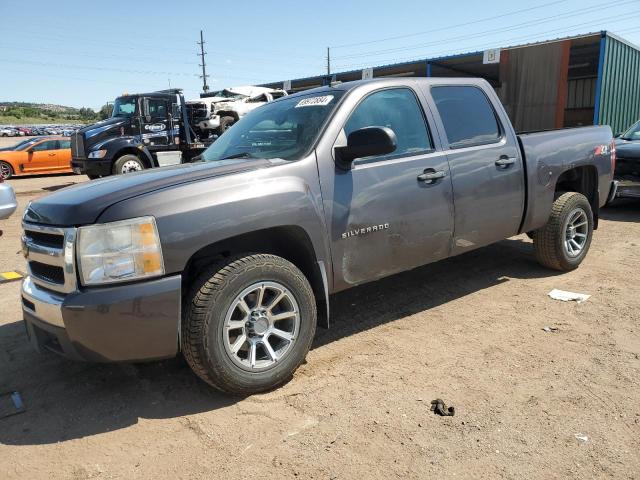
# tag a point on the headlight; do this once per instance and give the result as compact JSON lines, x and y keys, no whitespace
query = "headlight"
{"x":119,"y":251}
{"x":97,"y":154}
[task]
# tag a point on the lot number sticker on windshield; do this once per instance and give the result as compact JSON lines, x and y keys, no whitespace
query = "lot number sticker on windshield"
{"x":315,"y":101}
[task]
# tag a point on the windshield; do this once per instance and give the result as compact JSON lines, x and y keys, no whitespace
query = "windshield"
{"x":226,"y":94}
{"x":285,"y":129}
{"x":124,"y":107}
{"x":633,"y":133}
{"x":23,"y":145}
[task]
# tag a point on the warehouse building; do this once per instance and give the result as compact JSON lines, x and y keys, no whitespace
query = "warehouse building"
{"x":582,"y":80}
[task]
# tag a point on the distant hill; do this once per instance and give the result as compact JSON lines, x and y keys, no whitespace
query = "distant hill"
{"x":29,"y":113}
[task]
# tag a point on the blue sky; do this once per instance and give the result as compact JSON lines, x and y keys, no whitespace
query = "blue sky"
{"x":85,"y":53}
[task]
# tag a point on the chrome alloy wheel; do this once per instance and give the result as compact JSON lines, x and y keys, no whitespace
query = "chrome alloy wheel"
{"x":261,"y":326}
{"x":576,"y":232}
{"x":130,"y":166}
{"x":5,"y":171}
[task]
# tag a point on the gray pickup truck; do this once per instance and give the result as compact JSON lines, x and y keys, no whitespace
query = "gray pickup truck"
{"x":231,"y":259}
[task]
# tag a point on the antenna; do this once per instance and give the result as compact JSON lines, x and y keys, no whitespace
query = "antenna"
{"x":204,"y":76}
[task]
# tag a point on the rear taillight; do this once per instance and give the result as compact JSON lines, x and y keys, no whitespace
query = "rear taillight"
{"x":613,"y":155}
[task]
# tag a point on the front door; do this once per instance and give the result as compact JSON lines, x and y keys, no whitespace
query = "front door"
{"x":387,"y":215}
{"x":486,"y":166}
{"x":42,"y":157}
{"x":155,"y":123}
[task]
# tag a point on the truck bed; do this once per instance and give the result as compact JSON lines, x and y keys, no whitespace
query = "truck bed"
{"x":548,"y":153}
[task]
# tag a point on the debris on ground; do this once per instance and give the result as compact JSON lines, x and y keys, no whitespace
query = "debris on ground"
{"x":568,"y":296}
{"x":439,"y":408}
{"x":546,"y":328}
{"x":11,"y":404}
{"x":581,"y":437}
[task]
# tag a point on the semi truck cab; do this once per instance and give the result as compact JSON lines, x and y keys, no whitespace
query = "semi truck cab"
{"x":145,"y":130}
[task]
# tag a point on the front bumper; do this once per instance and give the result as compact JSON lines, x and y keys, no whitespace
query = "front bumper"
{"x":210,"y":124}
{"x":135,"y":322}
{"x":92,"y":166}
{"x":8,"y":203}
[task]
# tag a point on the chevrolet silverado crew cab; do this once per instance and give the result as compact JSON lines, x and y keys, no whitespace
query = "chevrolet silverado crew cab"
{"x":231,"y":259}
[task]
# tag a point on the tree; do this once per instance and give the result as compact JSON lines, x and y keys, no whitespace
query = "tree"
{"x":105,"y":111}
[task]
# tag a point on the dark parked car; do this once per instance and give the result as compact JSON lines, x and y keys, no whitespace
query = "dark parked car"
{"x":232,"y":259}
{"x":627,"y":174}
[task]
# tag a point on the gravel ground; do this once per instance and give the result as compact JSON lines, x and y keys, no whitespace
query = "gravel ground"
{"x":529,"y":404}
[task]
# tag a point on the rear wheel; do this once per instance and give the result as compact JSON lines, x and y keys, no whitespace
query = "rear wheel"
{"x":6,"y":171}
{"x":248,"y":323}
{"x":564,"y":241}
{"x":127,"y":164}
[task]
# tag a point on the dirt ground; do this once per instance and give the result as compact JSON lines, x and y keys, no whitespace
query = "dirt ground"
{"x":468,"y":330}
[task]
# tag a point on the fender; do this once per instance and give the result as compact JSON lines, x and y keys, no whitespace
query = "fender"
{"x":115,"y":147}
{"x":211,"y":213}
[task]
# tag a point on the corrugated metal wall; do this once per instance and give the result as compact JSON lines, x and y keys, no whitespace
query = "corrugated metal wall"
{"x":620,"y":85}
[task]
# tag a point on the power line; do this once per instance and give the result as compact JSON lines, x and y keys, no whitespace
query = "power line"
{"x":482,"y":20}
{"x":204,"y":76}
{"x":86,"y":67}
{"x":513,"y":39}
{"x":488,"y":32}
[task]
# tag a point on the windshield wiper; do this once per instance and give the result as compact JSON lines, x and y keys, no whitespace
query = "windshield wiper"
{"x":238,"y":155}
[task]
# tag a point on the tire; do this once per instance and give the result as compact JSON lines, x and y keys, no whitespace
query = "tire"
{"x":127,"y":163}
{"x":551,"y":242}
{"x":212,"y":309}
{"x":6,"y":170}
{"x":93,"y":177}
{"x":225,"y":123}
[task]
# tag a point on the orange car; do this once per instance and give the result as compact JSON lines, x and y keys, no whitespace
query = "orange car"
{"x":36,"y":155}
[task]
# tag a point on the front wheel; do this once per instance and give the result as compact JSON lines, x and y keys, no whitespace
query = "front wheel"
{"x":564,"y":241}
{"x":127,"y":164}
{"x":6,"y":172}
{"x":225,"y":123}
{"x":248,"y":324}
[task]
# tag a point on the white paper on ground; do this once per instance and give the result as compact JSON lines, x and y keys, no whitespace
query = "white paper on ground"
{"x":568,"y":296}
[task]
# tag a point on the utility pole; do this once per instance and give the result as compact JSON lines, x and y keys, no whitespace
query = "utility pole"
{"x":204,"y":76}
{"x":328,"y":62}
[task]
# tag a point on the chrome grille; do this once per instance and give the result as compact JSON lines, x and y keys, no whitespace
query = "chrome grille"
{"x":77,"y":145}
{"x":50,"y":256}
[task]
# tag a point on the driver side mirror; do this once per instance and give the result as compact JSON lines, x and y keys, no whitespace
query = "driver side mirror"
{"x":366,"y":142}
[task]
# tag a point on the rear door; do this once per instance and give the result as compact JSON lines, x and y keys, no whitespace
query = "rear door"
{"x":42,"y":157}
{"x":486,"y":166}
{"x":385,"y":217}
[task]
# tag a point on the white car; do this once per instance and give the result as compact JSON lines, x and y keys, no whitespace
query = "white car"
{"x":218,"y":112}
{"x":7,"y":132}
{"x":8,"y":203}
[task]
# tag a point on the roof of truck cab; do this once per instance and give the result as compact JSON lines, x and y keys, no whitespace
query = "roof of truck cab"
{"x":348,"y":86}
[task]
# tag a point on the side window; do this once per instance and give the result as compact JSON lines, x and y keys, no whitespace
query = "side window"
{"x":467,"y":115}
{"x":62,"y":144}
{"x":157,"y":108}
{"x":398,"y":109}
{"x":48,"y":145}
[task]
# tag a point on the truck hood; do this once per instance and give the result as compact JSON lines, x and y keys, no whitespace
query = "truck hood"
{"x":628,"y":149}
{"x":82,"y":204}
{"x":103,"y":126}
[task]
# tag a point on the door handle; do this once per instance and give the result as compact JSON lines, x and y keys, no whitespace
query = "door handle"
{"x":505,"y":162}
{"x":52,"y":154}
{"x":430,"y":175}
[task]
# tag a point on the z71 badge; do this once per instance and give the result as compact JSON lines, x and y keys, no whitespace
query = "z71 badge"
{"x":365,"y":230}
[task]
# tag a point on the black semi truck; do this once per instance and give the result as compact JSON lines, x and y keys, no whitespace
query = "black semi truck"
{"x":145,"y":130}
